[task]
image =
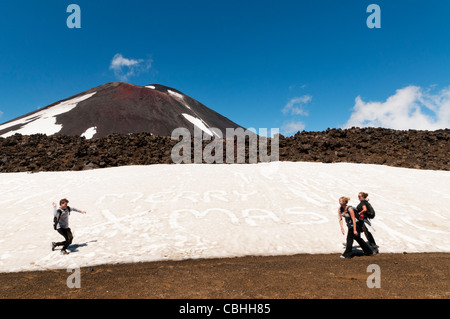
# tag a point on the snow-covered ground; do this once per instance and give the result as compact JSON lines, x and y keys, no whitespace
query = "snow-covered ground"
{"x":165,"y":212}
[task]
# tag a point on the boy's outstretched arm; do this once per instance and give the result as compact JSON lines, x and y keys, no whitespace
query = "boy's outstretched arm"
{"x":78,"y":211}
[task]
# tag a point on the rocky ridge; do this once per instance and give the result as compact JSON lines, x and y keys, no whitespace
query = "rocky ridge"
{"x":410,"y":149}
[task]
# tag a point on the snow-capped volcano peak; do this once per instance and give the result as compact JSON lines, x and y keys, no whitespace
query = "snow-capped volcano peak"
{"x":119,"y":108}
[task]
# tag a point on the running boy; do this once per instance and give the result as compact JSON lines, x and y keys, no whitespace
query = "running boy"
{"x":62,"y":224}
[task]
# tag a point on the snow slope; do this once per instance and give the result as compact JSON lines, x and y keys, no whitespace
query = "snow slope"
{"x":162,"y":212}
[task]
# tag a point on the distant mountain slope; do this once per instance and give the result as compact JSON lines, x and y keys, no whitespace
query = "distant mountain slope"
{"x":119,"y":108}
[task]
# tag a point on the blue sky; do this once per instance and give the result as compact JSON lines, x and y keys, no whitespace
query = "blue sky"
{"x":290,"y":65}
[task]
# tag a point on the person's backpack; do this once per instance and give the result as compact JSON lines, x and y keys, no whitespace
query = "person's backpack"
{"x":57,"y":217}
{"x":355,"y":211}
{"x":370,"y":211}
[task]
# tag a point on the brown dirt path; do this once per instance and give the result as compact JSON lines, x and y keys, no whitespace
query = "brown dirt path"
{"x":277,"y":277}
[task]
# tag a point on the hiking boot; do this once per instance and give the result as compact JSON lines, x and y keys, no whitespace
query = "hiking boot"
{"x":64,"y":252}
{"x":53,"y":246}
{"x":375,"y":249}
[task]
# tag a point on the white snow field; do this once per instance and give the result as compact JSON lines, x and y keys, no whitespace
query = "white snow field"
{"x":173,"y":212}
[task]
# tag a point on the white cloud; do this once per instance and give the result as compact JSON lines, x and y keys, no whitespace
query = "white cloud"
{"x":295,"y":105}
{"x":296,"y":86}
{"x":409,"y":108}
{"x":292,"y":127}
{"x":125,"y":68}
{"x":119,"y":61}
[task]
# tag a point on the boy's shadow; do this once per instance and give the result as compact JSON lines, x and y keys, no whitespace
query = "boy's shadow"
{"x":74,"y":248}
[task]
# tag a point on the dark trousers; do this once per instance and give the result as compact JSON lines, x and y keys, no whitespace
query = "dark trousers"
{"x":368,"y":234}
{"x":351,"y":236}
{"x":67,"y":234}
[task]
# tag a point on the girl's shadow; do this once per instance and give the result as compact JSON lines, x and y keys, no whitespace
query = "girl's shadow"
{"x":358,"y":252}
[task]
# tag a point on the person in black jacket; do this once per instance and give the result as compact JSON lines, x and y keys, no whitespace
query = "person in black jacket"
{"x":353,"y":226}
{"x":362,"y":209}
